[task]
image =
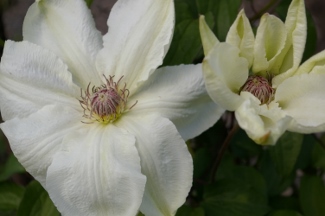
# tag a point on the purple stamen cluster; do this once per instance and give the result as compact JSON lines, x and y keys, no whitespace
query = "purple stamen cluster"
{"x":260,"y":87}
{"x":105,"y":103}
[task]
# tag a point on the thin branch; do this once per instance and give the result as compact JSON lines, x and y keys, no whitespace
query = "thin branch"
{"x":222,"y":151}
{"x":263,"y":10}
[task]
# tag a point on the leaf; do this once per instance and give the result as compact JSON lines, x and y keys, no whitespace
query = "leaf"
{"x":36,"y":202}
{"x":286,"y":151}
{"x":276,"y":183}
{"x":312,"y":196}
{"x":233,"y":198}
{"x":189,"y":211}
{"x":244,"y":147}
{"x":282,"y":202}
{"x":285,"y":213}
{"x":318,"y":155}
{"x":11,"y":167}
{"x":10,"y":196}
{"x":89,"y":2}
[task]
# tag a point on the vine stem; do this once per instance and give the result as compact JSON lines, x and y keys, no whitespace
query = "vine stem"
{"x":319,"y":141}
{"x":222,"y":151}
{"x":263,"y":10}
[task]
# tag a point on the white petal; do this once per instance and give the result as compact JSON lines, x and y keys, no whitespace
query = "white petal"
{"x":209,"y":40}
{"x":165,"y":161}
{"x":241,"y":35}
{"x":224,"y":74}
{"x":97,"y":173}
{"x":139,"y":35}
{"x":178,"y":93}
{"x":270,"y":41}
{"x":67,"y":28}
{"x":303,"y":98}
{"x":35,"y":139}
{"x":32,"y":77}
{"x":296,"y":25}
{"x":263,"y":123}
{"x":315,"y":64}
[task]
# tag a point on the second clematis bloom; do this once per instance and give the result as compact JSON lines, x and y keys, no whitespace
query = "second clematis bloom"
{"x":92,"y":118}
{"x":259,"y":77}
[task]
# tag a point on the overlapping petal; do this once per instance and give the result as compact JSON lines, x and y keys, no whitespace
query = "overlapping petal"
{"x":209,"y":40}
{"x":315,"y":64}
{"x":182,"y":102}
{"x":263,"y":123}
{"x":36,"y":138}
{"x":97,"y":172}
{"x":302,"y":97}
{"x":67,"y":28}
{"x":224,"y":74}
{"x":139,"y":35}
{"x":241,"y":35}
{"x":39,"y":78}
{"x":165,"y":161}
{"x":270,"y":41}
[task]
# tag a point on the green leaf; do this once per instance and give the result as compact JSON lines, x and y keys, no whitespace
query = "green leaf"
{"x":281,"y":202}
{"x":276,"y":183}
{"x":286,"y":151}
{"x":89,"y":2}
{"x":318,"y":155}
{"x":312,"y":196}
{"x":189,"y":211}
{"x":10,"y":196}
{"x":244,"y":147}
{"x":284,"y":213}
{"x":225,"y":15}
{"x":11,"y":167}
{"x":304,"y":158}
{"x":233,"y":198}
{"x":36,"y":202}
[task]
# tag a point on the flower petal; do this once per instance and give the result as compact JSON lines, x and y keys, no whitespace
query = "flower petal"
{"x":66,"y":27}
{"x":270,"y":40}
{"x":209,"y":40}
{"x":296,"y":25}
{"x":35,"y":139}
{"x":315,"y":64}
{"x":302,"y":97}
{"x":139,"y":35}
{"x":178,"y":93}
{"x":97,"y":173}
{"x":32,"y":77}
{"x":241,"y":35}
{"x":263,"y":123}
{"x":224,"y":74}
{"x":165,"y":161}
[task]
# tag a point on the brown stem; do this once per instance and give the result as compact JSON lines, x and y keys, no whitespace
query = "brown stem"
{"x":263,"y":10}
{"x":222,"y":151}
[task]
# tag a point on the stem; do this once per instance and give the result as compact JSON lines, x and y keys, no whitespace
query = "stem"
{"x":263,"y":10}
{"x":222,"y":151}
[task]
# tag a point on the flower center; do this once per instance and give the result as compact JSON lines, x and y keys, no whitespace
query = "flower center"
{"x":260,"y":88}
{"x":105,"y":103}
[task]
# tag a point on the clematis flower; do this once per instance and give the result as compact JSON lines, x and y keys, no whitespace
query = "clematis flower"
{"x":259,"y":77}
{"x":92,"y":118}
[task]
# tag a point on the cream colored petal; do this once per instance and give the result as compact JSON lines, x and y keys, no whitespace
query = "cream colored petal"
{"x":165,"y":161}
{"x":178,"y":93}
{"x":270,"y":41}
{"x":315,"y":64}
{"x":97,"y":173}
{"x":224,"y":74}
{"x":37,"y":138}
{"x":241,"y":35}
{"x":302,"y":97}
{"x":263,"y":123}
{"x":209,"y":40}
{"x":140,"y":32}
{"x":296,"y":25}
{"x":66,"y":27}
{"x":32,"y":77}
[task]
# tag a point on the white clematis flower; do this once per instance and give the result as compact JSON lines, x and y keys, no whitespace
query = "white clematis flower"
{"x":92,"y":118}
{"x":260,"y":79}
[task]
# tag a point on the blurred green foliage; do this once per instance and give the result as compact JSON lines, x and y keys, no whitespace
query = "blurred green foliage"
{"x":282,"y":180}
